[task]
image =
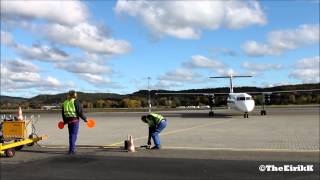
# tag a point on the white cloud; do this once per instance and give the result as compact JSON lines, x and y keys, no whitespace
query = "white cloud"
{"x":227,"y":72}
{"x":85,"y":66}
{"x":6,"y":39}
{"x":223,"y":51}
{"x":51,"y":81}
{"x":86,"y":37}
{"x":89,"y":70}
{"x":95,"y":79}
{"x":179,"y":75}
{"x":307,"y":70}
{"x":280,"y":41}
{"x":260,"y":66}
{"x":198,"y":61}
{"x":26,"y":72}
{"x":65,"y":22}
{"x":26,"y":77}
{"x":239,"y":14}
{"x":186,"y":20}
{"x":19,"y":65}
{"x":308,"y":63}
{"x":167,"y":84}
{"x":41,"y":53}
{"x":36,"y":52}
{"x":62,"y":12}
{"x":185,"y":74}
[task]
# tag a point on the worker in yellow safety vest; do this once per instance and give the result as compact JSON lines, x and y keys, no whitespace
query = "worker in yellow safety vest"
{"x":71,"y":111}
{"x":156,"y":123}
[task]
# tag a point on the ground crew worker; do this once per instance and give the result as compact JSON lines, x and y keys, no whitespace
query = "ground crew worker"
{"x":71,"y":111}
{"x":156,"y":123}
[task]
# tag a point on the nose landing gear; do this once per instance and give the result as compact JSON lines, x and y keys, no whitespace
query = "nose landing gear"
{"x":246,"y":115}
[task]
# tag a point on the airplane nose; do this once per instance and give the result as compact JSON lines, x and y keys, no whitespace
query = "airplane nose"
{"x":250,"y":106}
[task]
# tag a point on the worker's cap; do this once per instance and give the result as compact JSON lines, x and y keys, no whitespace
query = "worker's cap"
{"x":144,"y":118}
{"x":72,"y":93}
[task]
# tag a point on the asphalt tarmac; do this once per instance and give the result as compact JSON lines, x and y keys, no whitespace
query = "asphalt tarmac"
{"x":115,"y":163}
{"x":195,"y":146}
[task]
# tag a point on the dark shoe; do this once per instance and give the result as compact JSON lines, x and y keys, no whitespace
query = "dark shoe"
{"x":71,"y":153}
{"x":155,"y":148}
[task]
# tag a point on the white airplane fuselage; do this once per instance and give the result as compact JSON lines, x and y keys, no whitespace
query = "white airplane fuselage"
{"x":242,"y":102}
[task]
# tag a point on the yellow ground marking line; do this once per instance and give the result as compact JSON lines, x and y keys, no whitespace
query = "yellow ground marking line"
{"x":241,"y":149}
{"x":190,"y":148}
{"x":78,"y":146}
{"x":174,"y":131}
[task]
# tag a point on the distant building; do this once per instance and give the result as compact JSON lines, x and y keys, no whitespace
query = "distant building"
{"x":50,"y":107}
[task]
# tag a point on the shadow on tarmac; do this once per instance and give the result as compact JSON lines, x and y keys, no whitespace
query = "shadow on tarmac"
{"x":81,"y":167}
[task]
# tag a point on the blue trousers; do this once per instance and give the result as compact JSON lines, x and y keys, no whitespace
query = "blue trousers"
{"x":73,"y":133}
{"x":155,"y":134}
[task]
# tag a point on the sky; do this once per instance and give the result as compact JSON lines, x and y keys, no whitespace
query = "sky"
{"x":50,"y":47}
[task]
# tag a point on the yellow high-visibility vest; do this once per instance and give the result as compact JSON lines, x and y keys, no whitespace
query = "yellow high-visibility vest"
{"x":69,"y":108}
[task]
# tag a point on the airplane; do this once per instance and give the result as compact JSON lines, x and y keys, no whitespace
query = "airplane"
{"x":242,"y":102}
{"x":48,"y":107}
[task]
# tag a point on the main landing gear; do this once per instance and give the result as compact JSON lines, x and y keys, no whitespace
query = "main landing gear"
{"x":246,"y":115}
{"x":265,"y":99}
{"x":211,"y":104}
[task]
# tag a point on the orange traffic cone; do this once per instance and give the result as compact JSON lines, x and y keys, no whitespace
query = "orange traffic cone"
{"x":131,"y":147}
{"x":20,"y":117}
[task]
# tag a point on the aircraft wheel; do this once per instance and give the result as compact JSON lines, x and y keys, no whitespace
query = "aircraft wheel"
{"x":211,"y":113}
{"x":10,"y":152}
{"x":263,"y":113}
{"x":30,"y":137}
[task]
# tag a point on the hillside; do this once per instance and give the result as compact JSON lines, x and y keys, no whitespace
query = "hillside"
{"x":139,"y":98}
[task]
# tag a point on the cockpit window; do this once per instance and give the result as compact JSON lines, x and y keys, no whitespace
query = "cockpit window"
{"x":241,"y":98}
{"x":232,"y":97}
{"x":248,"y":98}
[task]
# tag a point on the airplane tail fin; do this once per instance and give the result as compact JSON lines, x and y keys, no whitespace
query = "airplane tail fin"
{"x":230,"y":77}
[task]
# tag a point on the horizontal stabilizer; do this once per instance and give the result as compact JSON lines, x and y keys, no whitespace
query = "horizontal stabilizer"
{"x":229,"y":76}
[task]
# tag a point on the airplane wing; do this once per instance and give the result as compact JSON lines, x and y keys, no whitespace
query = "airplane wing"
{"x":289,"y":91}
{"x":254,"y":93}
{"x":195,"y":94}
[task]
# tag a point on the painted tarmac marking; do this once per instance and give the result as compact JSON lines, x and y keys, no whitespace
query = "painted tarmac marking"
{"x":241,"y":149}
{"x":190,"y":148}
{"x":174,"y":131}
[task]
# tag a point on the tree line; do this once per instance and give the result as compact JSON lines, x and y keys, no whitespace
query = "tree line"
{"x":139,"y":99}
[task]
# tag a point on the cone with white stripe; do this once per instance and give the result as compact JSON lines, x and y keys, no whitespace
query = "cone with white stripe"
{"x":131,"y":147}
{"x":20,"y":116}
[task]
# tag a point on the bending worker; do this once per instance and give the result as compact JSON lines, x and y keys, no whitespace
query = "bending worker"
{"x":156,"y":124}
{"x":71,"y":111}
